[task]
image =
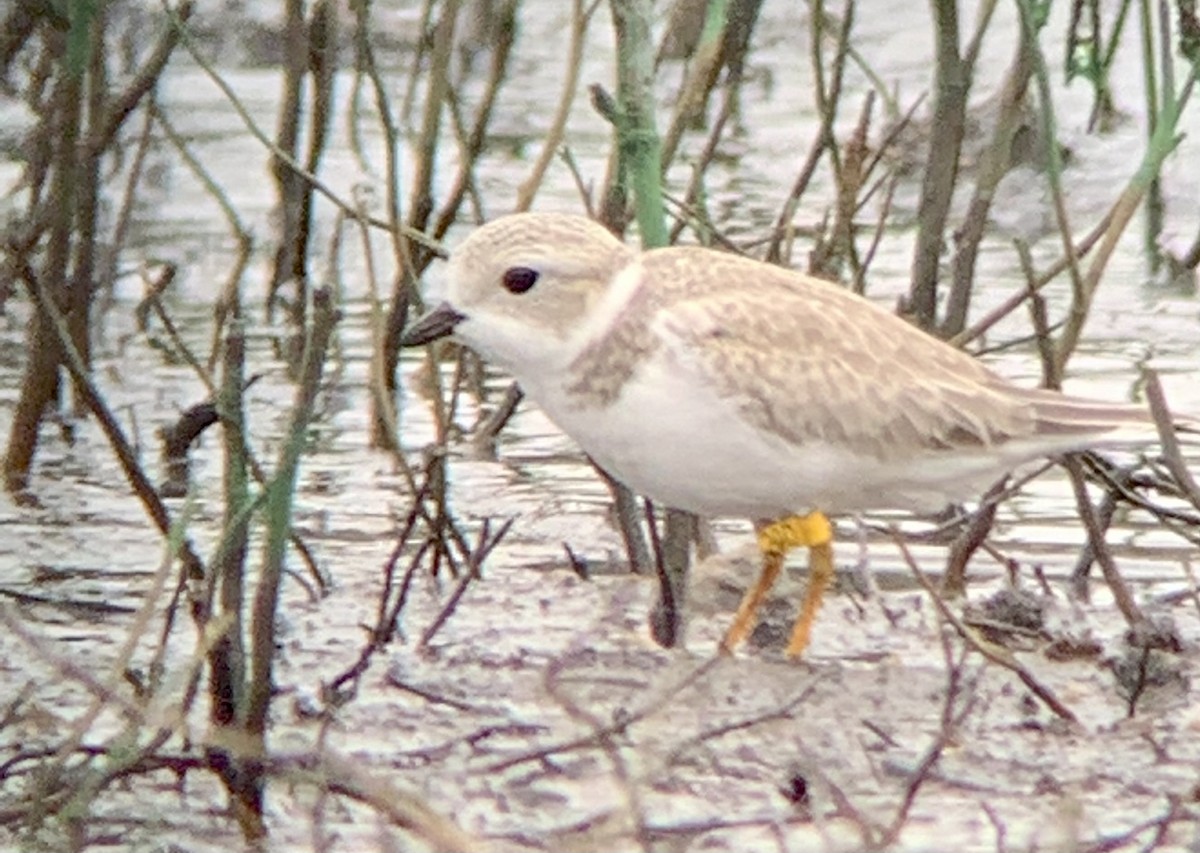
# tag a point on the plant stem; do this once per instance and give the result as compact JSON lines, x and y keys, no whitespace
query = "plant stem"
{"x":641,"y":154}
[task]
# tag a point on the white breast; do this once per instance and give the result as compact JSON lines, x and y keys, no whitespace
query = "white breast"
{"x":671,"y":438}
{"x":679,"y":443}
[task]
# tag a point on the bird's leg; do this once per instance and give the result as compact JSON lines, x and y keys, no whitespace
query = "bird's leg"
{"x":775,"y":540}
{"x":747,"y":612}
{"x":820,"y":575}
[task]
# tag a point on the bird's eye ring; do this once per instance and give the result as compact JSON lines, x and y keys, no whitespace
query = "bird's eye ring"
{"x":519,"y":279}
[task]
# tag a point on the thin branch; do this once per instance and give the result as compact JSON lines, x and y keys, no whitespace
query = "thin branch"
{"x":994,"y":653}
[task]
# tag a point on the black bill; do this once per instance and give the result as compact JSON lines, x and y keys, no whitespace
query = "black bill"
{"x":435,"y":324}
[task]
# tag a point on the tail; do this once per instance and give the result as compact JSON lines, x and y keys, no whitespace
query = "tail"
{"x":1095,"y":422}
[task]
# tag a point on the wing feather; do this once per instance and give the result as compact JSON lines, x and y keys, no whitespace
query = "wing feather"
{"x":811,"y":361}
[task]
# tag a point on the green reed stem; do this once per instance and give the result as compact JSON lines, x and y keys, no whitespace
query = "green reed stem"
{"x":637,"y":136}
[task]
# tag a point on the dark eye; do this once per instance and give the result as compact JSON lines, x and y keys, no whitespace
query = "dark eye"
{"x":519,"y":279}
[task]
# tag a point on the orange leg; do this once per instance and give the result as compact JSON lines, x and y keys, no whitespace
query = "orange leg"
{"x":775,"y":540}
{"x":820,"y":575}
{"x":747,"y":612}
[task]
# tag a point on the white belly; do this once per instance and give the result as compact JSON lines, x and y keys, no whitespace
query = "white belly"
{"x":682,"y":445}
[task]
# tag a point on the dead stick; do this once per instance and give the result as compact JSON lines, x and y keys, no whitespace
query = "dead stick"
{"x":994,"y":653}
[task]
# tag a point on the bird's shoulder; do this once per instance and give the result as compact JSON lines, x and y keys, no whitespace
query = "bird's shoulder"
{"x":700,"y":295}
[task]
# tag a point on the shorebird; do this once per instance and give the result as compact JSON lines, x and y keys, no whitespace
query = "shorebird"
{"x":726,"y":386}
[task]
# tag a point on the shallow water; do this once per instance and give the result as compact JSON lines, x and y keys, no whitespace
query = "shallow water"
{"x":536,"y":656}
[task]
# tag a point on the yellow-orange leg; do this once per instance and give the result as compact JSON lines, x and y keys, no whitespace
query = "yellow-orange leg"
{"x":775,"y":540}
{"x":820,"y":575}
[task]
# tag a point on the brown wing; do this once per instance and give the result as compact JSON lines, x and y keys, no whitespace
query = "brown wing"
{"x":810,"y":361}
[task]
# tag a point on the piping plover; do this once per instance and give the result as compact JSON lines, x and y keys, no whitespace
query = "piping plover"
{"x":730,"y":387}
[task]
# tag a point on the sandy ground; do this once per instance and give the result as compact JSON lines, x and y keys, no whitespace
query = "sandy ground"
{"x":542,"y":717}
